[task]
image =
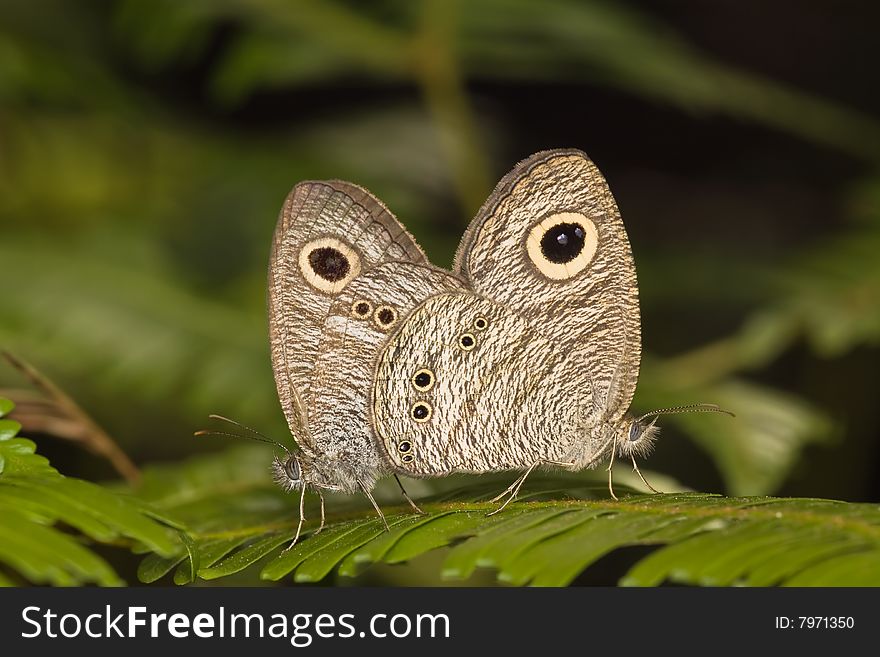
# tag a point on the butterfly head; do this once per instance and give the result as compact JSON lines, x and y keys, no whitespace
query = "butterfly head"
{"x":637,"y":434}
{"x":298,"y":469}
{"x":287,"y":471}
{"x":291,"y":470}
{"x":637,"y":437}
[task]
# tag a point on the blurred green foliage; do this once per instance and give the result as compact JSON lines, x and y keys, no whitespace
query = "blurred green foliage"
{"x":146,"y":146}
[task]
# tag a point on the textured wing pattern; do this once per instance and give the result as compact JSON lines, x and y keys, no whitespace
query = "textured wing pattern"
{"x":327,"y":233}
{"x":356,"y":329}
{"x":519,"y":251}
{"x":495,"y":393}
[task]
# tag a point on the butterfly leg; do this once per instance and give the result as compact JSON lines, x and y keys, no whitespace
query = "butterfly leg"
{"x":507,"y":490}
{"x":513,"y":489}
{"x":639,"y":472}
{"x":321,"y":495}
{"x":375,"y":506}
{"x":408,"y":498}
{"x":302,"y":519}
{"x":610,"y":468}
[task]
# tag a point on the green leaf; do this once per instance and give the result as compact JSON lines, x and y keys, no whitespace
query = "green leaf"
{"x":376,"y":549}
{"x":19,"y":459}
{"x":289,"y":560}
{"x":9,"y":429}
{"x":154,"y":567}
{"x":34,"y":498}
{"x":481,"y":548}
{"x":560,"y":526}
{"x":244,"y":557}
{"x":45,"y":555}
{"x":709,"y":540}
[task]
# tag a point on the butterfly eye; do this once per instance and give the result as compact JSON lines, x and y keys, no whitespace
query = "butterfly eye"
{"x":562,"y":245}
{"x":639,"y":439}
{"x":467,"y":341}
{"x":423,"y":380}
{"x":291,"y":468}
{"x":421,"y":411}
{"x":328,"y":264}
{"x":635,"y":431}
{"x":385,"y":316}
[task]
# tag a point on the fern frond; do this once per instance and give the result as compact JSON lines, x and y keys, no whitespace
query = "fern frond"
{"x":559,"y":527}
{"x":36,"y":501}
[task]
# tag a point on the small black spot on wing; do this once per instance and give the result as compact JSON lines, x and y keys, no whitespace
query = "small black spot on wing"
{"x":423,"y":380}
{"x":467,"y":341}
{"x":421,"y":411}
{"x":361,"y":308}
{"x":385,"y":317}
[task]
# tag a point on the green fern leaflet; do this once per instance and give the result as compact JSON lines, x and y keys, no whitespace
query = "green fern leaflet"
{"x":36,"y":500}
{"x":558,"y":528}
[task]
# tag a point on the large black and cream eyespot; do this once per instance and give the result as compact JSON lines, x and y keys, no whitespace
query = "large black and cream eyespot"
{"x":329,"y":264}
{"x":562,"y":245}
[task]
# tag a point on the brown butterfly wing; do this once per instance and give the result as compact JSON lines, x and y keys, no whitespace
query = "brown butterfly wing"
{"x":328,"y":232}
{"x":550,"y":244}
{"x":359,"y":324}
{"x":466,"y":385}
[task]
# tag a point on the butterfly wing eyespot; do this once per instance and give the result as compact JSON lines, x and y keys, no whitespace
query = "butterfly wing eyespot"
{"x":361,"y":308}
{"x":481,"y":323}
{"x":328,"y":264}
{"x":421,"y":411}
{"x":467,"y":341}
{"x":562,"y":245}
{"x":385,"y":317}
{"x":423,"y":380}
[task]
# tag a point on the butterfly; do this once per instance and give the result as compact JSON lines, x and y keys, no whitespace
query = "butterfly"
{"x":525,"y":354}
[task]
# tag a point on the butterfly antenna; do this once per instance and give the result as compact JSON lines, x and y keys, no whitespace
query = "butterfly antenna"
{"x":255,"y":435}
{"x":688,"y":408}
{"x":214,"y":416}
